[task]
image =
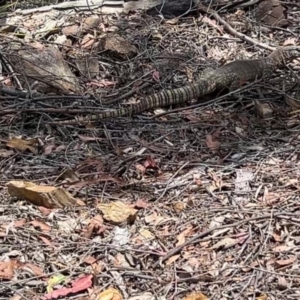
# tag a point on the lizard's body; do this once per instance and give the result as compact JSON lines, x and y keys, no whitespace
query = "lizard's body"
{"x":231,"y":76}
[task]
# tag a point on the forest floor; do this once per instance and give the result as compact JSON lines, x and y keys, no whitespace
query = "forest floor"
{"x":200,"y":202}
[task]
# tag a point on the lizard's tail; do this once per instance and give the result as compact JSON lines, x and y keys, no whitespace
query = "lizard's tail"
{"x":161,"y":99}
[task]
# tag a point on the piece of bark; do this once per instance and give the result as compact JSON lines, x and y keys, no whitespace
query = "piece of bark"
{"x":47,"y":196}
{"x":271,"y":13}
{"x":117,"y":46}
{"x":44,"y":65}
{"x":264,"y":109}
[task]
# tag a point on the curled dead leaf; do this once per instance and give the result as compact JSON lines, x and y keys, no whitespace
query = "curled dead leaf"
{"x":196,"y":296}
{"x":110,"y":294}
{"x":225,"y":243}
{"x":118,"y":212}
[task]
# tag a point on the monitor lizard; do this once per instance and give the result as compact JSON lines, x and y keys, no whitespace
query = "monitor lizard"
{"x":231,"y":76}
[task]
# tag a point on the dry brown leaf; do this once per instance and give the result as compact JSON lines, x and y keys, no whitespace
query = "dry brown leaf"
{"x":101,"y":83}
{"x":46,"y":241}
{"x":282,"y":248}
{"x":60,"y":148}
{"x":172,"y":259}
{"x":277,"y":237}
{"x":212,"y":23}
{"x":118,"y":46}
{"x":117,"y":212}
{"x":35,"y":270}
{"x":150,"y":163}
{"x":154,"y":219}
{"x":70,"y":30}
{"x":44,"y":227}
{"x":88,"y":41}
{"x":95,"y":226}
{"x":4,"y":153}
{"x":196,"y":296}
{"x":194,"y":262}
{"x":47,"y":149}
{"x":91,"y":23}
{"x":143,"y":237}
{"x":48,"y":196}
{"x":179,"y":207}
{"x":143,"y":296}
{"x":145,"y":233}
{"x":89,"y":260}
{"x":7,"y":269}
{"x":212,"y":143}
{"x":140,"y":168}
{"x":285,"y":262}
{"x":225,"y":243}
{"x":141,"y":203}
{"x":23,"y":145}
{"x":282,"y":283}
{"x":182,"y":235}
{"x":16,"y":297}
{"x":19,"y":223}
{"x":110,"y":294}
{"x":69,"y":176}
{"x":45,"y":211}
{"x":290,"y":41}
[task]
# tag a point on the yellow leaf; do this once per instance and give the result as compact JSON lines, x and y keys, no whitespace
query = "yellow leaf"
{"x":117,"y":212}
{"x":146,"y":234}
{"x":110,"y":294}
{"x":54,"y":280}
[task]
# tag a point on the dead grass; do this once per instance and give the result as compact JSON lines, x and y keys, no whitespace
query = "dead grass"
{"x":235,"y":208}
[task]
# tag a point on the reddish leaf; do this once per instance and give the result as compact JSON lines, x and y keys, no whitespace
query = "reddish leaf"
{"x":212,"y":142}
{"x":155,"y":75}
{"x":150,"y":163}
{"x":86,"y":138}
{"x":45,"y":211}
{"x":7,"y":269}
{"x":60,"y":148}
{"x":78,"y":285}
{"x":44,"y":227}
{"x":285,"y":262}
{"x":16,"y":297}
{"x":46,"y":241}
{"x":102,"y":83}
{"x":48,"y":149}
{"x":90,"y":260}
{"x":19,"y":223}
{"x":141,"y":203}
{"x":140,"y":168}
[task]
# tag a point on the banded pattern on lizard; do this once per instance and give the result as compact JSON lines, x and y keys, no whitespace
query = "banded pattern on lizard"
{"x":231,"y":76}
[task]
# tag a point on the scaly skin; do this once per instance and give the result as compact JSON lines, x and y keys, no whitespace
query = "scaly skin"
{"x":231,"y":76}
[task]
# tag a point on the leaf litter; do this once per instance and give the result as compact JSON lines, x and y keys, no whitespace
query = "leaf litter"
{"x":199,"y":204}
